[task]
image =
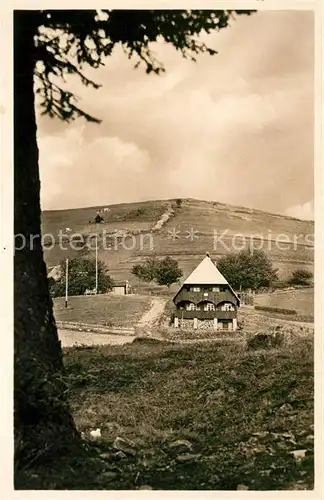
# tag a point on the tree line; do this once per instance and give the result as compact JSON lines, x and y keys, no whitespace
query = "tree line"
{"x":244,"y":270}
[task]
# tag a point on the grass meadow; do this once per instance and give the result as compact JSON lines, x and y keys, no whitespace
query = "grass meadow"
{"x":244,"y":414}
{"x":108,"y":310}
{"x":300,"y":300}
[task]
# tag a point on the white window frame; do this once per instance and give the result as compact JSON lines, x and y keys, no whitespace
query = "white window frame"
{"x":195,"y":289}
{"x":227,"y":306}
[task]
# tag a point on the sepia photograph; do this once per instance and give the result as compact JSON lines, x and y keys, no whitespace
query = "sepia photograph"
{"x":164,"y":249}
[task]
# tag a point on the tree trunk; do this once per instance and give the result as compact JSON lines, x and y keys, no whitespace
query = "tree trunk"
{"x":43,"y":424}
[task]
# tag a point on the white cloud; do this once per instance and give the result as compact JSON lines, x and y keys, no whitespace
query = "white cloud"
{"x":304,"y":211}
{"x":88,"y":173}
{"x":236,"y":127}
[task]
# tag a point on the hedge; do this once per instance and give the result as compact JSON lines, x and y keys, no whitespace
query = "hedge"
{"x":275,"y":310}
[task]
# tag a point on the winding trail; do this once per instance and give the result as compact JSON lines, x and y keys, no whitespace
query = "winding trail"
{"x":151,"y":317}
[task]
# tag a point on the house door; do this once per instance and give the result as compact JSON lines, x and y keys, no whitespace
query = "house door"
{"x":225,"y":325}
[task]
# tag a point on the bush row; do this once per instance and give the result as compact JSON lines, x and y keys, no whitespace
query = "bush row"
{"x":275,"y":310}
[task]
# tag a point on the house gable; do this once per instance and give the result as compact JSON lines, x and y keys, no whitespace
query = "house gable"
{"x":206,"y":278}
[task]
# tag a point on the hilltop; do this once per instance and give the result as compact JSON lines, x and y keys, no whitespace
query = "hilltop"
{"x":184,"y":229}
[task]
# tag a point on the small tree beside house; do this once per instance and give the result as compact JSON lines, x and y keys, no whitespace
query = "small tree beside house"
{"x":163,"y":271}
{"x":248,"y":270}
{"x":168,"y":272}
{"x":146,"y":272}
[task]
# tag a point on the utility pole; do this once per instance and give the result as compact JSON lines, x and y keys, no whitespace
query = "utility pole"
{"x":66,"y":281}
{"x":96,"y":263}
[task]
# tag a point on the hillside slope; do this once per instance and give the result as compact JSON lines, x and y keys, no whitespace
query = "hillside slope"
{"x":187,"y":230}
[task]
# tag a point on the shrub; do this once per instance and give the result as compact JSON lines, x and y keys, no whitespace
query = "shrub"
{"x":98,"y":219}
{"x":279,"y":285}
{"x":301,"y":277}
{"x":246,"y":298}
{"x":147,"y":341}
{"x":266,"y":340}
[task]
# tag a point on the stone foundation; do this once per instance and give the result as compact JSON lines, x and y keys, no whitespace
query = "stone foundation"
{"x":201,"y":329}
{"x":185,"y":324}
{"x":203,"y":324}
{"x":188,"y":333}
{"x":206,"y":324}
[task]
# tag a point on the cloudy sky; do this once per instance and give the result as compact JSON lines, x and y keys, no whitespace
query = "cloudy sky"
{"x":236,"y":127}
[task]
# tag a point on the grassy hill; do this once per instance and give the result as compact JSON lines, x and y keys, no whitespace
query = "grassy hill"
{"x":127,"y":234}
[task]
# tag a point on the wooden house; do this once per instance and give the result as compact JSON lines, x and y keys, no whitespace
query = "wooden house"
{"x":206,"y":300}
{"x":54,"y":272}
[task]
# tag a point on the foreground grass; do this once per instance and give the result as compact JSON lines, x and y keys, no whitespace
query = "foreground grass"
{"x":108,"y":310}
{"x":243,"y":412}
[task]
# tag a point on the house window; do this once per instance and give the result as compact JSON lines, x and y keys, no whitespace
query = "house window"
{"x":227,"y":306}
{"x":195,"y":289}
{"x":216,"y":289}
{"x":190,"y":306}
{"x":209,"y":306}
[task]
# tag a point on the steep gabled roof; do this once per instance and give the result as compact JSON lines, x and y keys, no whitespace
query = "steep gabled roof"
{"x":206,"y":273}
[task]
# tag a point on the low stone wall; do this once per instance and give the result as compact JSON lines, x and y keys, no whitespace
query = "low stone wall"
{"x":89,"y":327}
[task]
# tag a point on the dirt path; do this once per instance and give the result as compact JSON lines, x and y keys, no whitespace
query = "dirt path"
{"x":153,"y":314}
{"x":71,"y":338}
